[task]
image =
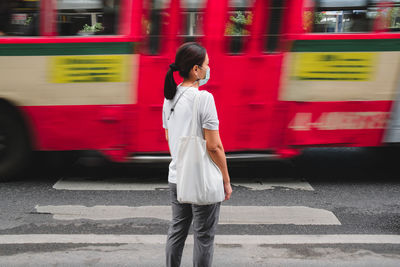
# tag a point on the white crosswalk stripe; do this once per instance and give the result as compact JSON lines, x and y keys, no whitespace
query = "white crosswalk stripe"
{"x":239,"y":215}
{"x":133,"y":185}
{"x":219,"y":239}
{"x":297,"y":215}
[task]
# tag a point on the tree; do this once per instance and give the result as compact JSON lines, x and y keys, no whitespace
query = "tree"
{"x":237,"y":23}
{"x":311,"y":18}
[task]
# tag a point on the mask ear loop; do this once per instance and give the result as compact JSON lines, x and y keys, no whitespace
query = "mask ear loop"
{"x":198,"y":79}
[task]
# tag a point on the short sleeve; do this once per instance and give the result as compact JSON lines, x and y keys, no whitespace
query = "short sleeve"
{"x":208,"y":114}
{"x":164,"y":120}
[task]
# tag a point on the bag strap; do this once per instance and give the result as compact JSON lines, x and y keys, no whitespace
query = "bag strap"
{"x":176,"y":102}
{"x":194,"y":123}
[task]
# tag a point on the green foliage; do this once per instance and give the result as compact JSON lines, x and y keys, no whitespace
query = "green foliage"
{"x":28,"y":20}
{"x":393,"y":14}
{"x":318,"y":16}
{"x":237,"y":23}
{"x":95,"y":28}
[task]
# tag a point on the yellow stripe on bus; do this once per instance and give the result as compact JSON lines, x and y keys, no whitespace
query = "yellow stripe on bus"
{"x":334,"y":66}
{"x":340,"y":76}
{"x":81,"y":69}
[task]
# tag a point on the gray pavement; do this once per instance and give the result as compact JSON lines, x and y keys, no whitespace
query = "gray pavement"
{"x":360,"y":188}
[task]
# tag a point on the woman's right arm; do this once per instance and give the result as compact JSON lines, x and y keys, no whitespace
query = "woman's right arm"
{"x":217,"y":154}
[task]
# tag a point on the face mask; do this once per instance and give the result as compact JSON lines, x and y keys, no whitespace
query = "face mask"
{"x":205,"y":80}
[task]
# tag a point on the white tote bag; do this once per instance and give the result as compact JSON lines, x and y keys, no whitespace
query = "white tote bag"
{"x":199,"y":180}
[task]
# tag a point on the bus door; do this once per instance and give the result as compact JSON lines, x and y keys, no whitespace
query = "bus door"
{"x":153,"y":65}
{"x":245,"y":65}
{"x":340,"y":76}
{"x":166,"y":25}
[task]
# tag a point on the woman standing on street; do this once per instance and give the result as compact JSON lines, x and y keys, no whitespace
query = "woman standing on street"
{"x":191,"y":61}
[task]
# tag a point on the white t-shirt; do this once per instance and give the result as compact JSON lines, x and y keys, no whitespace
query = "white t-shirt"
{"x":179,"y":122}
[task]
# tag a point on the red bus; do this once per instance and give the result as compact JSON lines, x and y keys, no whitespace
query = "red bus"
{"x":286,"y":74}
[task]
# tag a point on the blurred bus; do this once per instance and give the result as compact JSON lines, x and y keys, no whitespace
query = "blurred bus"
{"x":286,"y":74}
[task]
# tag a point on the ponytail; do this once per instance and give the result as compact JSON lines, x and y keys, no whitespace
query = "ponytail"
{"x":169,"y":83}
{"x":188,"y":55}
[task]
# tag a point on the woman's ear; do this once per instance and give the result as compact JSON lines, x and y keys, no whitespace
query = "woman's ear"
{"x":194,"y":70}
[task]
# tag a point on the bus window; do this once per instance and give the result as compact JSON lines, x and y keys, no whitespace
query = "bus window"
{"x":192,"y":20}
{"x":335,"y":16}
{"x":152,"y":24}
{"x":83,"y":18}
{"x":156,"y":22}
{"x":386,"y":15}
{"x":273,"y":31}
{"x":19,"y":17}
{"x":238,"y":25}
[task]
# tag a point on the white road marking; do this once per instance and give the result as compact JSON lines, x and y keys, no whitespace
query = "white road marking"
{"x":286,"y":184}
{"x":219,"y":239}
{"x":132,"y":184}
{"x":298,"y":215}
{"x":122,"y":184}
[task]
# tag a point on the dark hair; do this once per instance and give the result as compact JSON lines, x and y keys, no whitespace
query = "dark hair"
{"x":188,"y":55}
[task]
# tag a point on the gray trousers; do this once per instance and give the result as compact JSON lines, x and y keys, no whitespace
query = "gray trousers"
{"x":205,"y":220}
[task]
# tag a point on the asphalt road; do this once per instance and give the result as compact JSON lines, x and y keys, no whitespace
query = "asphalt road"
{"x":332,"y":207}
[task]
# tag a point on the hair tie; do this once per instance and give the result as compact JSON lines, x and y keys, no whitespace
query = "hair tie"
{"x":174,"y":67}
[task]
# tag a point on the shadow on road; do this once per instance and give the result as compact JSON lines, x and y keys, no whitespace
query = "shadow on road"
{"x":315,"y":164}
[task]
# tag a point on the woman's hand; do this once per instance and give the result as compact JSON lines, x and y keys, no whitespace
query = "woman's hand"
{"x":228,"y":190}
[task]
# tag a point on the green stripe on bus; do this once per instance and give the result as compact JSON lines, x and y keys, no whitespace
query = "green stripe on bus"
{"x":108,"y":48}
{"x":346,"y":45}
